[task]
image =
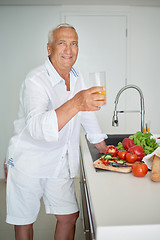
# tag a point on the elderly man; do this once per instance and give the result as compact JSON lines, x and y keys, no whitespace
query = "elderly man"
{"x":43,"y":155}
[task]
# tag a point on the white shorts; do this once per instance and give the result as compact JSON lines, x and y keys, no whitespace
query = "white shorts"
{"x":24,"y":194}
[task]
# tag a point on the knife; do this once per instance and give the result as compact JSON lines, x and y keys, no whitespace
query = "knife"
{"x":114,"y":164}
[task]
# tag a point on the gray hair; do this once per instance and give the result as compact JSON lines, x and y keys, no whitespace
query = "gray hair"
{"x":51,"y":33}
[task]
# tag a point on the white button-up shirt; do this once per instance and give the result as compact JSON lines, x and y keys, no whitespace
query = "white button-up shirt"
{"x":37,"y":148}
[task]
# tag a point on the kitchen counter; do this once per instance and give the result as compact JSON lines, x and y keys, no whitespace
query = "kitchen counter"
{"x":122,"y":205}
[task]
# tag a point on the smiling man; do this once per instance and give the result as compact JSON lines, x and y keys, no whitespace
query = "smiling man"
{"x":43,"y":155}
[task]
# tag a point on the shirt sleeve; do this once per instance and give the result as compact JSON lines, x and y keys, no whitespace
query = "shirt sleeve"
{"x":41,"y":122}
{"x":90,"y":124}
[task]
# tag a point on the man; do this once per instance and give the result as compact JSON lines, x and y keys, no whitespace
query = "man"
{"x":43,"y":153}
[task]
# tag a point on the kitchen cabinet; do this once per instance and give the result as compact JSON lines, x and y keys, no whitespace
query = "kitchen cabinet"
{"x":122,"y":206}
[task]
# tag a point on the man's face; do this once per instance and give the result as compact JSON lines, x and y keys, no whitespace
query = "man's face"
{"x":64,"y":50}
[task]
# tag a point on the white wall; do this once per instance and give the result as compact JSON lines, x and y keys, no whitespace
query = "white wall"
{"x":145,"y":59}
{"x":23,"y":32}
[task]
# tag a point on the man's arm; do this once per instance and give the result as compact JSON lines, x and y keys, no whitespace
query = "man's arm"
{"x":85,"y":100}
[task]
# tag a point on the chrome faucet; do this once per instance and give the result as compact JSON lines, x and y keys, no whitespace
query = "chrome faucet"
{"x":115,"y":114}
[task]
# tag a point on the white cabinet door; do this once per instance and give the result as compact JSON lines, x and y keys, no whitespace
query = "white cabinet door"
{"x":103,"y":47}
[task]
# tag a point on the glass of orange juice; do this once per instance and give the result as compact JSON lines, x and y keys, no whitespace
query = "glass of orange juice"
{"x":98,"y":79}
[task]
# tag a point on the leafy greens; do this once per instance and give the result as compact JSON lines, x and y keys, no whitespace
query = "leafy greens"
{"x":142,"y":139}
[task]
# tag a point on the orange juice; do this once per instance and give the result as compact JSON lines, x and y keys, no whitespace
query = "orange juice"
{"x":102,"y":92}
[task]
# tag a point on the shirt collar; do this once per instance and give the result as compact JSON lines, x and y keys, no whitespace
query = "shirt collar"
{"x":74,"y":72}
{"x":55,"y":77}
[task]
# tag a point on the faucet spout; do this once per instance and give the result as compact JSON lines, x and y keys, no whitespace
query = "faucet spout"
{"x":142,"y":111}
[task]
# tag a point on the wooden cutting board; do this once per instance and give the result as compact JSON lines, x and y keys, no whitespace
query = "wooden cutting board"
{"x":98,"y":164}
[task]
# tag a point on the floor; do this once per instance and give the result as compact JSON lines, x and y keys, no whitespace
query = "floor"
{"x":45,"y":224}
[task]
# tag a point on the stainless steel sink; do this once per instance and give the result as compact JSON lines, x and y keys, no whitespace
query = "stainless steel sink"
{"x":113,"y":139}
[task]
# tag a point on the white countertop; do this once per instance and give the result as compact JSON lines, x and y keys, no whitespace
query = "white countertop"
{"x":123,"y":206}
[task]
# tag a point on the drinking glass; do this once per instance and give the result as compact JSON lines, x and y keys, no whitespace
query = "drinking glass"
{"x":98,"y":79}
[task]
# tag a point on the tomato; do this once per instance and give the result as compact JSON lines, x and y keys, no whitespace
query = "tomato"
{"x":122,"y":154}
{"x":138,"y":150}
{"x":131,"y":157}
{"x":139,"y":169}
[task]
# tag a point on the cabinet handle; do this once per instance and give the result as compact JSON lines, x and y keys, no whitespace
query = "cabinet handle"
{"x":89,"y":210}
{"x":83,"y":181}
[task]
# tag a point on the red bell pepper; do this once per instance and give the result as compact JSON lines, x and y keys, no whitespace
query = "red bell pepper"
{"x":138,"y":150}
{"x":127,"y":143}
{"x":112,"y":150}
